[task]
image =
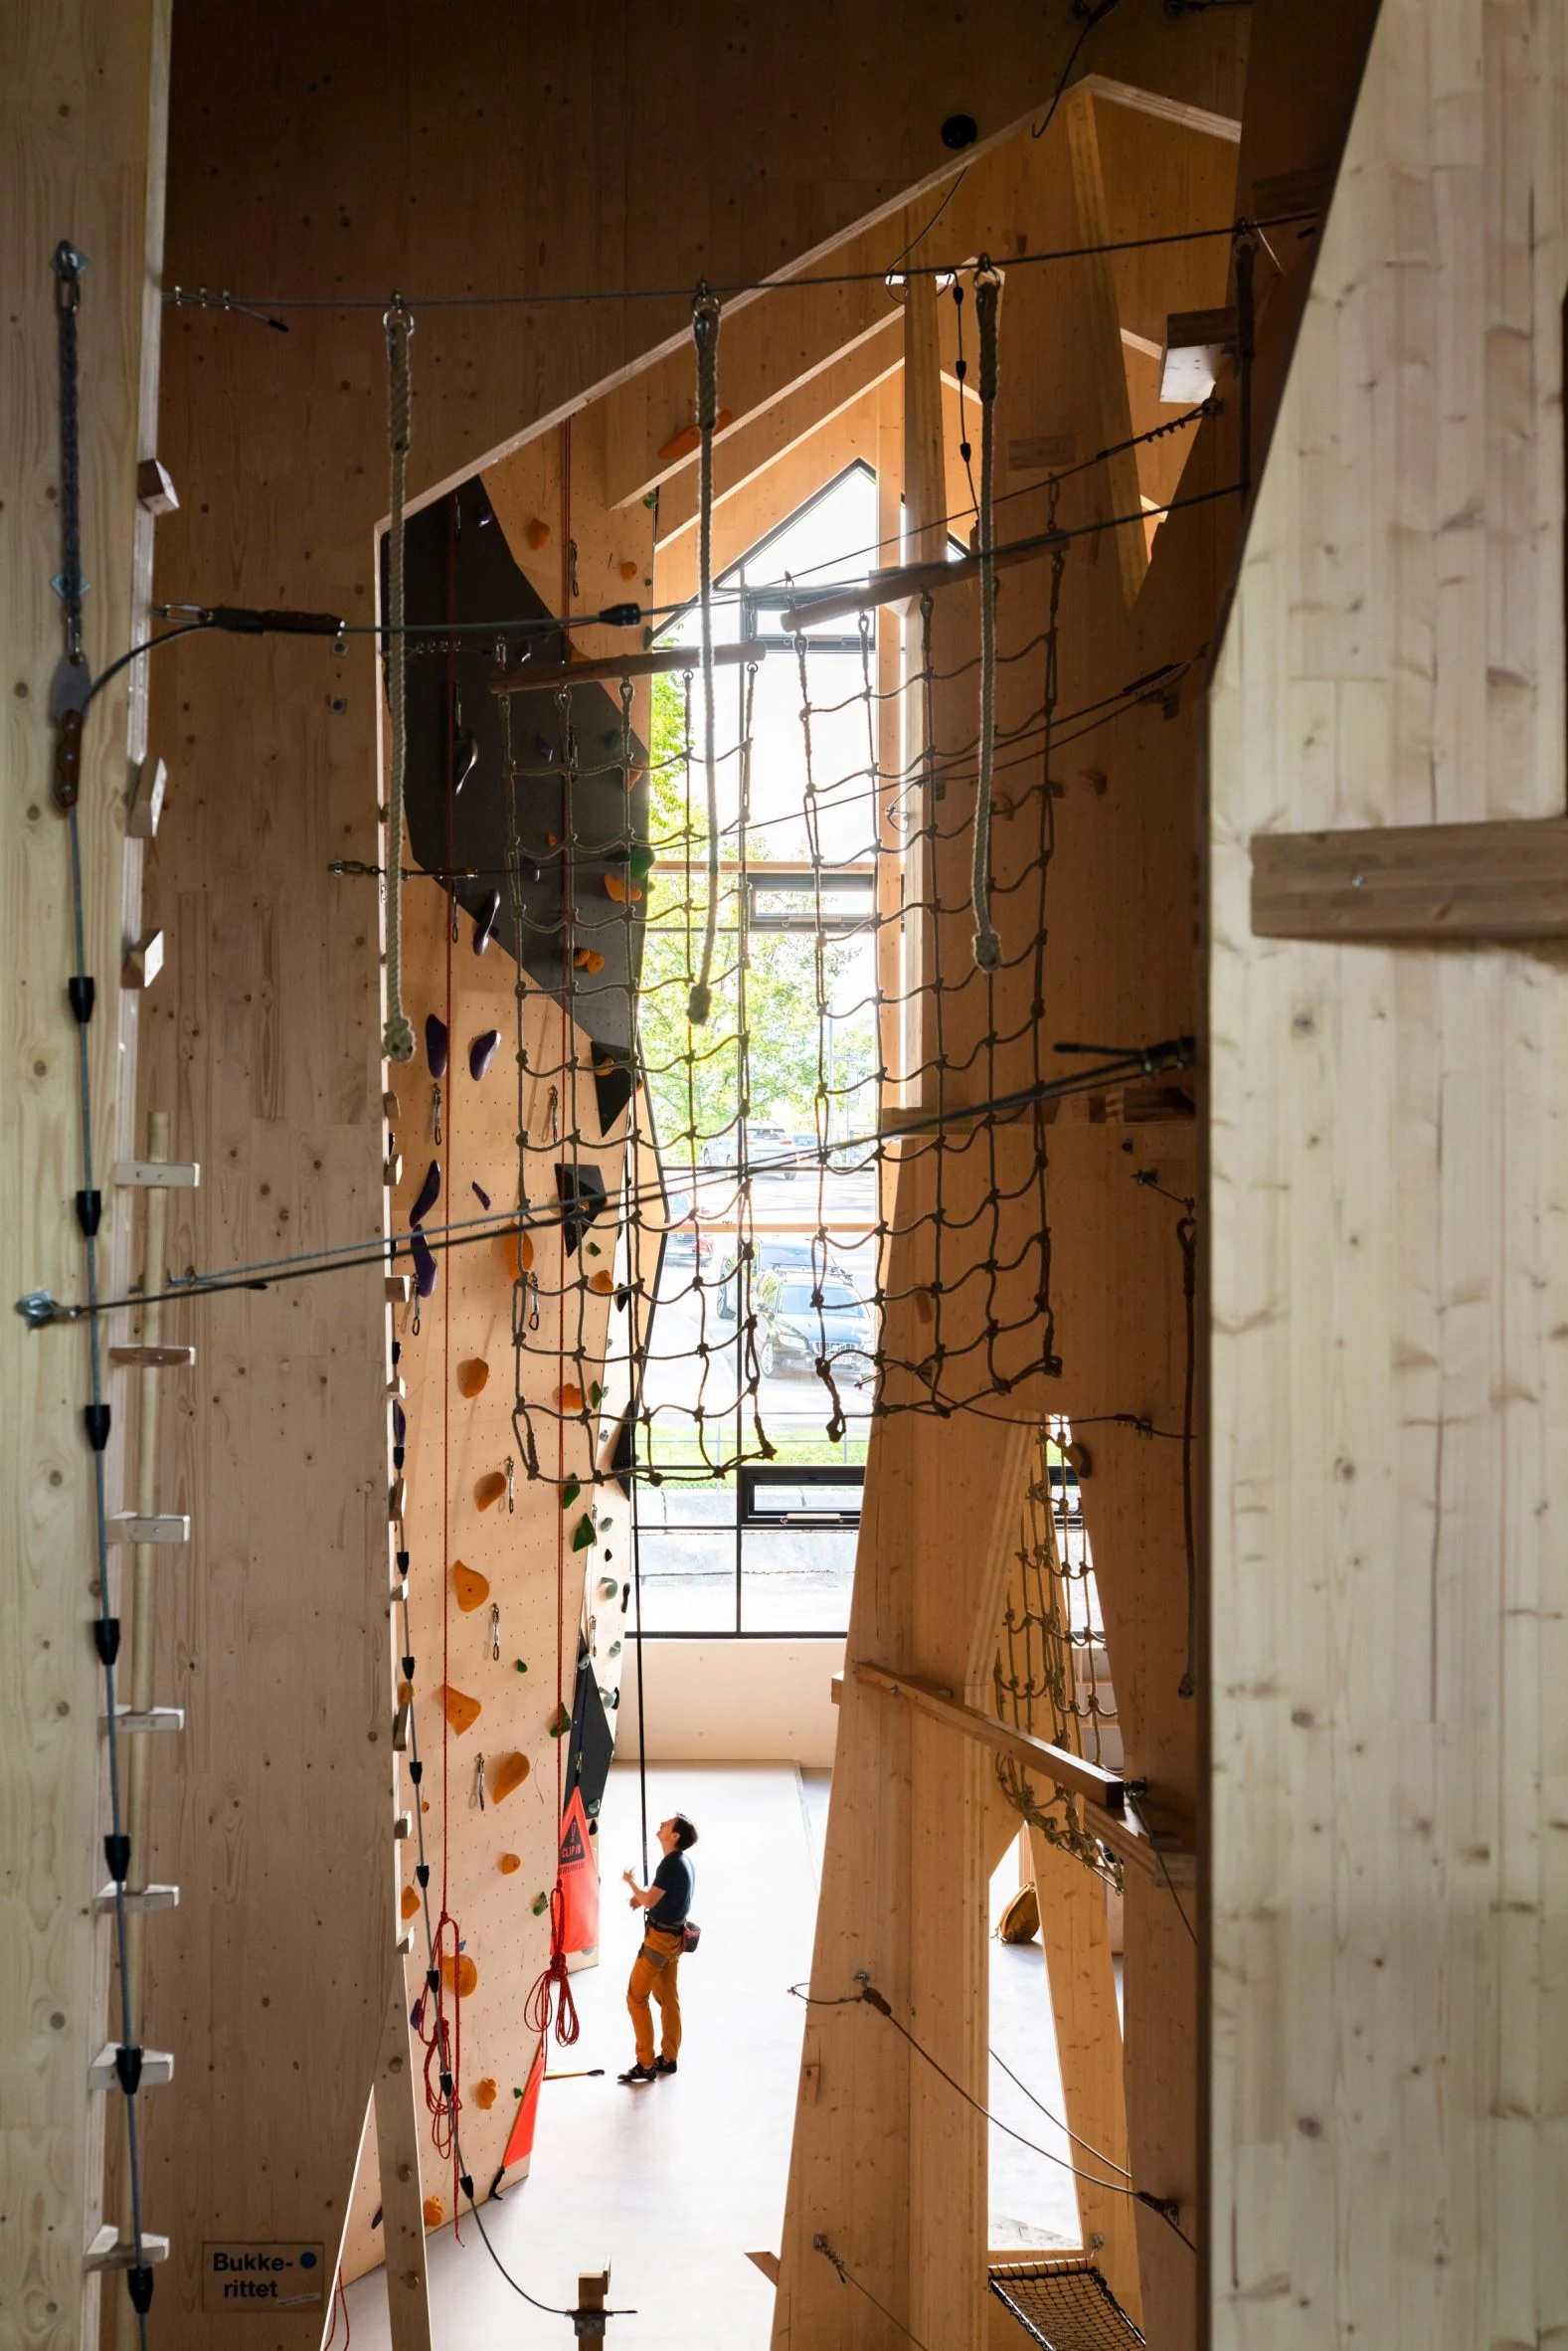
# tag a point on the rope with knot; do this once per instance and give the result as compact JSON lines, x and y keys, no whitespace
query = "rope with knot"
{"x":705,"y":336}
{"x":987,"y":945}
{"x":397,"y":1041}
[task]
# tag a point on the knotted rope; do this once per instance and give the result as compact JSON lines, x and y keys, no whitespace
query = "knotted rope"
{"x":705,"y":336}
{"x":397,"y":1041}
{"x":987,"y":945}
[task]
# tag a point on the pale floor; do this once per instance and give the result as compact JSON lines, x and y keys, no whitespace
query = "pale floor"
{"x":673,"y":2184}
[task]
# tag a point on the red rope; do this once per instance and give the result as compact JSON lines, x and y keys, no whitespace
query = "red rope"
{"x":448,"y":2056}
{"x":554,"y":1986}
{"x":339,"y":2302}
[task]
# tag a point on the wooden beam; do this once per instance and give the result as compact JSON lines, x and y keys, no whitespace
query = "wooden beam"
{"x":1105,"y":335}
{"x":398,"y":2152}
{"x":1058,"y":1763}
{"x":1501,"y":881}
{"x":533,"y":678}
{"x":906,"y":581}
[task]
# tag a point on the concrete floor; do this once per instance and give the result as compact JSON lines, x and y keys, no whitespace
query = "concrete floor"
{"x":674,"y":2183}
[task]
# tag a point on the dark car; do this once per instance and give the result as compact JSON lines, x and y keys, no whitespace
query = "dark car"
{"x":796,"y":1323}
{"x":771,"y":1253}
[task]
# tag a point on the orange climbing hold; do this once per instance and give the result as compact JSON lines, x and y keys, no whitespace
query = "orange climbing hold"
{"x":411,"y":1901}
{"x":618,"y":888}
{"x":508,"y":1774}
{"x":434,"y":2211}
{"x":509,"y":1864}
{"x":517,"y":1253}
{"x":462,"y":1710}
{"x":602,"y":1280}
{"x":484,"y":2094}
{"x":537,"y":534}
{"x":589,"y":958}
{"x":460,"y":1974}
{"x":628,"y":570}
{"x":569,"y":1396}
{"x":471,"y":1589}
{"x":471,"y":1375}
{"x":488,"y":1489}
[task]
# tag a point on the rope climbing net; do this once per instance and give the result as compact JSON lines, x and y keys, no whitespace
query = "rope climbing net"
{"x":1063,"y":2305}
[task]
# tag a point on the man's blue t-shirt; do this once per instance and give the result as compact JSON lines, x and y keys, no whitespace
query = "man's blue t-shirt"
{"x":676,"y":1881}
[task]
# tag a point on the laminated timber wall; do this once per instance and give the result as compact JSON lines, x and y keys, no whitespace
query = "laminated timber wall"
{"x":82,"y":96}
{"x":346,"y":157}
{"x":1389,"y":1266}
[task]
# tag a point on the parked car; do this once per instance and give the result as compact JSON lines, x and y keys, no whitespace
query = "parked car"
{"x":686,"y":1244}
{"x":770,"y":1148}
{"x":770,"y":1252}
{"x":793,"y":1329}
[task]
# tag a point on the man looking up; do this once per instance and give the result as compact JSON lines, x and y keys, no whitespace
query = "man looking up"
{"x":667,"y":1902}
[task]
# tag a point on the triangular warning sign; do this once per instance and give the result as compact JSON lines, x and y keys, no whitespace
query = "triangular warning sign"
{"x":579,"y":1878}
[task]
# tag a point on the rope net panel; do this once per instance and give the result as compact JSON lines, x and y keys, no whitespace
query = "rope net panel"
{"x":1063,"y":2305}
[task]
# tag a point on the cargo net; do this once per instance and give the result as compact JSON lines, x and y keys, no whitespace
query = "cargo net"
{"x":1063,"y":2305}
{"x":1052,"y":1674}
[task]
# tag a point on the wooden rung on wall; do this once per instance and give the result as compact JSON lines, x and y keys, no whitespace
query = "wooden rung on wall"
{"x":157,"y":2069}
{"x":150,"y":1898}
{"x":132,"y":1720}
{"x":151,"y":1359}
{"x":158,"y":1175}
{"x":109,"y":2251}
{"x":127,"y":1527}
{"x":1496,"y":882}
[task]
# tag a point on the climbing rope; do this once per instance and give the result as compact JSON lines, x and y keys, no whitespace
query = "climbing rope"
{"x":397,"y":1041}
{"x":987,"y":945}
{"x":705,"y":338}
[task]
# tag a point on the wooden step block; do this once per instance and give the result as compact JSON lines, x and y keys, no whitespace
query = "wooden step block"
{"x":143,"y":961}
{"x":151,"y":1359}
{"x":397,"y":1289}
{"x":403,"y":1827}
{"x":149,"y":781}
{"x":157,"y":2069}
{"x":158,"y":1175}
{"x":107,"y":2251}
{"x":127,"y":1718}
{"x":127,"y":1527}
{"x":151,"y":1897}
{"x":155,"y":491}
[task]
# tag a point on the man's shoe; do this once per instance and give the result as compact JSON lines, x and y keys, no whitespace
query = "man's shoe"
{"x":664,"y":2064}
{"x":638,"y":2072}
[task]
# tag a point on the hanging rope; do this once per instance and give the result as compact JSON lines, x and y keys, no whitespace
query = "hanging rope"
{"x":397,"y":1041}
{"x":987,"y":945}
{"x":705,"y":336}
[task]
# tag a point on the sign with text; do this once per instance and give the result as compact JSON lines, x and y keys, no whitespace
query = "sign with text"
{"x":237,"y":2275}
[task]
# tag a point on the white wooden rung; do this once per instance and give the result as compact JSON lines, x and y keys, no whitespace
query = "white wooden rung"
{"x":151,"y":1359}
{"x":132,"y":1719}
{"x":157,"y":2069}
{"x":108,"y":2251}
{"x":127,"y":1527}
{"x":403,"y":1826}
{"x":398,"y":1289}
{"x":405,"y":1943}
{"x":159,"y":1175}
{"x":151,"y":1897}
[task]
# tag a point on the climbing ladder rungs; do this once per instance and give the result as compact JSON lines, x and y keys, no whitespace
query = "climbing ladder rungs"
{"x":403,"y":1826}
{"x":151,"y":1897}
{"x":151,"y":1359}
{"x":108,"y":2251}
{"x":397,"y":1289}
{"x":157,"y":2069}
{"x":127,"y":1527}
{"x":158,"y":1175}
{"x":133,"y":1718}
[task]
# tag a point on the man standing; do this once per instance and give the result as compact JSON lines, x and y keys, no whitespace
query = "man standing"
{"x":667,"y":1902}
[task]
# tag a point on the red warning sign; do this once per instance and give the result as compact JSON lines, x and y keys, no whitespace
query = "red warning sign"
{"x":579,"y":1881}
{"x":520,"y":2146}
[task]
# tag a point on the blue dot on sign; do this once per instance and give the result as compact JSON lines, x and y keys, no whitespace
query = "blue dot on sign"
{"x":307,"y":2261}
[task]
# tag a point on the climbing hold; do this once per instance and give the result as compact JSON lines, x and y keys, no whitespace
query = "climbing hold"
{"x":570,"y":1492}
{"x":583,"y":1533}
{"x":488,"y":1489}
{"x":604,"y":1282}
{"x":589,"y":958}
{"x":560,"y":1723}
{"x":480,"y":1194}
{"x":462,"y":1710}
{"x":484,"y":2094}
{"x":541,"y":1903}
{"x":484,"y":922}
{"x":465,"y":759}
{"x":537,"y":534}
{"x":614,"y":1650}
{"x":411,"y":1901}
{"x":607,"y":1588}
{"x":434,"y":2211}
{"x":509,"y":1864}
{"x":509,"y":1774}
{"x":640,"y":862}
{"x":458,"y":1973}
{"x":569,"y":1396}
{"x":471,"y":1589}
{"x":628,"y":570}
{"x":482,"y":1053}
{"x":517,"y":1251}
{"x":399,"y":1425}
{"x":520,"y":1665}
{"x":430,"y":1194}
{"x":472,"y":1374}
{"x":618,"y":888}
{"x":594,"y":1249}
{"x":425,"y":1268}
{"x":436,"y":1045}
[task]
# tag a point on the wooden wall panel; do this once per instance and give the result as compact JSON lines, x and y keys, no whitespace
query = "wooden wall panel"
{"x":1389,"y":1277}
{"x":83,"y":93}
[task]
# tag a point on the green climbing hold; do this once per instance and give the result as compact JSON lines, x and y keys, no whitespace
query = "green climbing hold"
{"x":596,"y":1395}
{"x":595,"y":1250}
{"x":640,"y":862}
{"x":608,"y":1588}
{"x":583,"y":1533}
{"x":560,"y":1723}
{"x":521,"y":1664}
{"x":570,"y":1492}
{"x":541,"y":1904}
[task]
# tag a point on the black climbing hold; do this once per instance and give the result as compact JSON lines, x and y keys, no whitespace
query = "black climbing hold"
{"x":423,"y":1873}
{"x":495,"y":2185}
{"x":544,"y":748}
{"x":106,"y":1638}
{"x":408,"y":1663}
{"x":398,"y":1453}
{"x":397,"y":1350}
{"x":432,"y":1977}
{"x":447,"y":2085}
{"x":423,"y":1266}
{"x":116,"y":1852}
{"x":966,"y":451}
{"x":374,"y":2218}
{"x":959,"y":131}
{"x":435,"y":1044}
{"x":481,"y":1195}
{"x":97,"y":1420}
{"x":127,"y":2065}
{"x":465,"y":759}
{"x":139,"y":2282}
{"x":81,"y":992}
{"x":403,"y":1569}
{"x":399,"y":1425}
{"x":482,"y":1053}
{"x":416,"y":1771}
{"x":89,"y":1212}
{"x":466,"y":2183}
{"x":484,"y":922}
{"x":430,"y":1194}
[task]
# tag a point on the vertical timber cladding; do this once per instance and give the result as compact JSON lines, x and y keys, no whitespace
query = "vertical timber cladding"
{"x":1390,"y":1281}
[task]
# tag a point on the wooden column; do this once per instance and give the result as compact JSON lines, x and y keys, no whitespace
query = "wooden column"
{"x":82,"y":99}
{"x":398,"y":2120}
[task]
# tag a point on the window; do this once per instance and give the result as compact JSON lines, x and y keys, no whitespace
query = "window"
{"x":767,"y":1551}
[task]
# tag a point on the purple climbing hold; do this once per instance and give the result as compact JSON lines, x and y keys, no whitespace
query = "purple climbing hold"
{"x":484,"y":923}
{"x":482,"y":1053}
{"x":481,"y":1195}
{"x":399,"y":1425}
{"x":430,"y":1194}
{"x":436,"y":1045}
{"x":423,"y":1266}
{"x":545,"y":749}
